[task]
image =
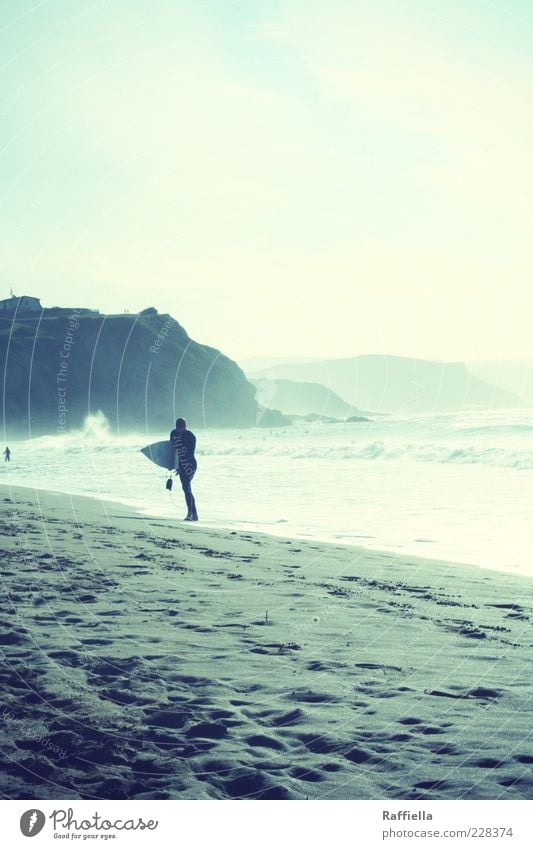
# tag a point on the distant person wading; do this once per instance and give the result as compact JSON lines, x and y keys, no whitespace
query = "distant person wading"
{"x":7,"y":455}
{"x":184,"y":442}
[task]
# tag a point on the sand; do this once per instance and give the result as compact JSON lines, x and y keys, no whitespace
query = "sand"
{"x":145,"y":658}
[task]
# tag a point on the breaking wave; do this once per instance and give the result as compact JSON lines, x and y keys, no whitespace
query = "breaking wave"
{"x":414,"y":452}
{"x":500,"y":444}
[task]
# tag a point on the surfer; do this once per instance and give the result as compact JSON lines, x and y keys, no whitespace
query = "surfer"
{"x":184,"y":442}
{"x":7,"y":455}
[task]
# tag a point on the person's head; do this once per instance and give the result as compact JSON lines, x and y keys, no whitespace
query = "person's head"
{"x":181,"y":424}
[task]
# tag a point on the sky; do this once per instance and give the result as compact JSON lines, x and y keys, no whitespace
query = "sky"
{"x":318,"y":178}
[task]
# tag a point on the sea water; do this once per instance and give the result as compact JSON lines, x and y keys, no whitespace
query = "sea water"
{"x":455,"y":486}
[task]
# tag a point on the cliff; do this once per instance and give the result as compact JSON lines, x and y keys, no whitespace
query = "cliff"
{"x":141,"y":371}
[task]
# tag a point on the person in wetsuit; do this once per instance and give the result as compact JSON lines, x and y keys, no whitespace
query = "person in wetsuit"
{"x":184,"y":441}
{"x":7,"y":455}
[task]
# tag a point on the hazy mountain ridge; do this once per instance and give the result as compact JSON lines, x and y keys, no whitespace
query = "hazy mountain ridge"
{"x":298,"y":398}
{"x":509,"y":376}
{"x":140,"y":370}
{"x":393,"y":384}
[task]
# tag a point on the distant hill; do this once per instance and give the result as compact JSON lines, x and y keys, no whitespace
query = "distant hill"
{"x":141,"y":371}
{"x":299,"y":399}
{"x":252,"y":365}
{"x":512,"y":377}
{"x":399,"y":384}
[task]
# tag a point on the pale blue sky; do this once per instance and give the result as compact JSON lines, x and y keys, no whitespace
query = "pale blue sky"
{"x":294,"y":177}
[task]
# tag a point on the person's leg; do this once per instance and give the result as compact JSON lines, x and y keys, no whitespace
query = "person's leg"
{"x":194,"y":514}
{"x":186,"y":479}
{"x":186,"y":486}
{"x":192,"y":503}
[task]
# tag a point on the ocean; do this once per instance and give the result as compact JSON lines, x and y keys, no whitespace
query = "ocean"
{"x":450,"y":486}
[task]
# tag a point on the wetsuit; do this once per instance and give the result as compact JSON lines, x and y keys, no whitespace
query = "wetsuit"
{"x":185,"y":462}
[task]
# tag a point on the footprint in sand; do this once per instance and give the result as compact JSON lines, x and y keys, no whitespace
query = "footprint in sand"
{"x":433,"y":785}
{"x":524,"y":759}
{"x":320,"y":744}
{"x":254,"y":785}
{"x":525,"y":783}
{"x":264,"y":742}
{"x":211,"y":730}
{"x":13,"y":638}
{"x":358,"y":756}
{"x":306,"y":774}
{"x":310,"y":697}
{"x":325,"y":666}
{"x":481,"y":693}
{"x":287,"y":719}
{"x":444,"y":749}
{"x":168,"y":719}
{"x":381,"y":666}
{"x":331,"y":766}
{"x":67,"y":656}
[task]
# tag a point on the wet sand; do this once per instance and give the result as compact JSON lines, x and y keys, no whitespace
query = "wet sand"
{"x":145,"y":658}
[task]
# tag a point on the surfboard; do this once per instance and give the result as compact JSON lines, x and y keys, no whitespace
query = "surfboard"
{"x":161,"y":453}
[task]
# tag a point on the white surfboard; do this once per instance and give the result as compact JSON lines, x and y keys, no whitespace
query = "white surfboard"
{"x":161,"y":453}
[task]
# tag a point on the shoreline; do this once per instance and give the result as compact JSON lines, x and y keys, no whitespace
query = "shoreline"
{"x":208,"y":525}
{"x":146,"y":658}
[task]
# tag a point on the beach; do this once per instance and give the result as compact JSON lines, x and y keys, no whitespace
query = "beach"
{"x":148,"y":658}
